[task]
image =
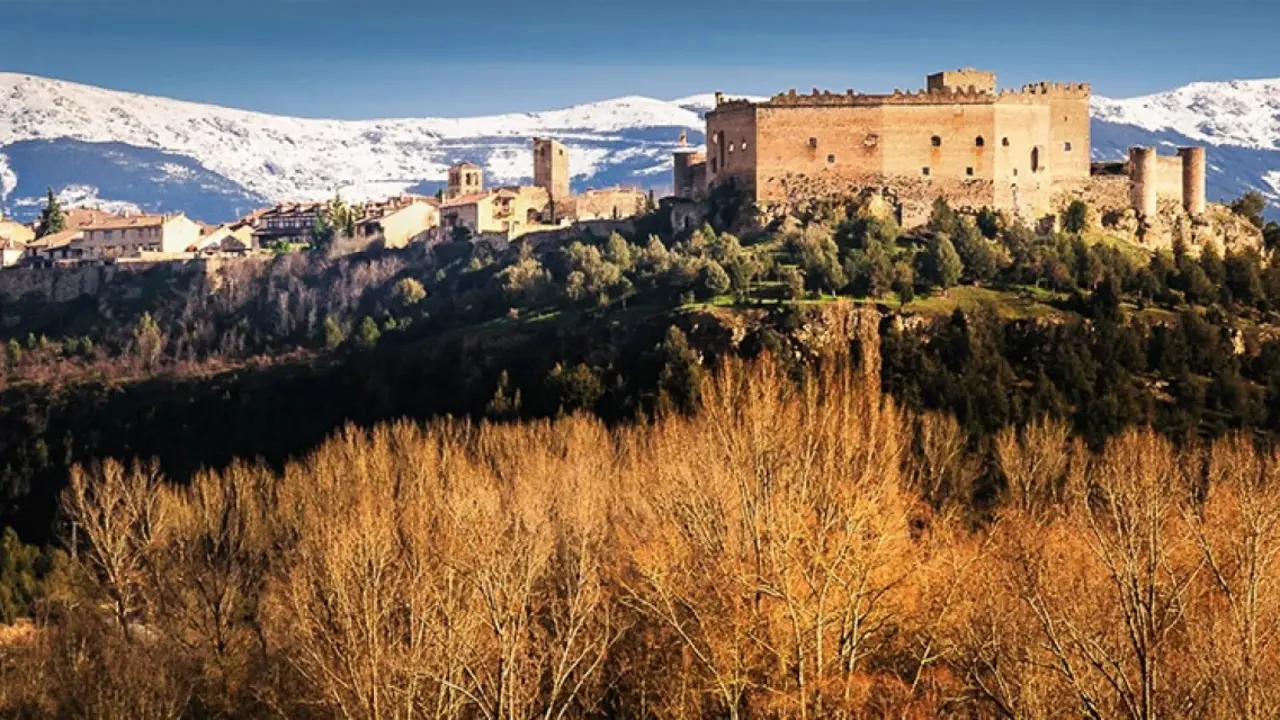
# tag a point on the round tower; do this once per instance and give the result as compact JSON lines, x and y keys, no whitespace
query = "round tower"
{"x":1193,"y":179}
{"x":1142,"y":181}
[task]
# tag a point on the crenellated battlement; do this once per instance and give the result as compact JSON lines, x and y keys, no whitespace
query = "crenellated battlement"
{"x":1027,"y":94}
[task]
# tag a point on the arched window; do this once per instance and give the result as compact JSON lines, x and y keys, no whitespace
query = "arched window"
{"x":937,"y":141}
{"x":980,"y":142}
{"x":831,"y":159}
{"x":1066,"y":146}
{"x":1005,"y":142}
{"x":1035,"y":159}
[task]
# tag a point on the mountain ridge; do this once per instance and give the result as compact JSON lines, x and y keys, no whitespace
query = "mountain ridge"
{"x":158,"y":153}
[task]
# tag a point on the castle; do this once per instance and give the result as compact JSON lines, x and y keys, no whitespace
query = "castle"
{"x":961,"y":138}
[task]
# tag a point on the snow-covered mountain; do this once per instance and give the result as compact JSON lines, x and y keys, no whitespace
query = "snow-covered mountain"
{"x":1243,"y":113}
{"x":104,"y":146}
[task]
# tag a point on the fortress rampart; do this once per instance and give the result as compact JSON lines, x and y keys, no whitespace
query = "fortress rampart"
{"x":960,"y":138}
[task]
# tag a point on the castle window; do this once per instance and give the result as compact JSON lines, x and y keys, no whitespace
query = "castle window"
{"x":925,"y":171}
{"x":730,"y":147}
{"x":1005,"y":142}
{"x":1066,"y":146}
{"x":813,"y":142}
{"x":980,"y":142}
{"x":1035,"y":159}
{"x":937,"y":141}
{"x":743,"y":144}
{"x":968,"y":171}
{"x":831,"y":159}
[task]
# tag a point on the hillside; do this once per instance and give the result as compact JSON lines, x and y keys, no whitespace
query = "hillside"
{"x":159,"y":154}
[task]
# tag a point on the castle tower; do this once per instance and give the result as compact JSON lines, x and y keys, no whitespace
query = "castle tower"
{"x":551,"y":168}
{"x":1193,"y":179}
{"x":966,"y":80}
{"x":464,"y":179}
{"x":1142,"y":181}
{"x":685,"y":180}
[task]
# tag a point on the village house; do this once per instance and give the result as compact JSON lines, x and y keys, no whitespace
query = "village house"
{"x":56,"y":249}
{"x":290,"y":223}
{"x":11,"y":252}
{"x":14,"y":237}
{"x":231,"y":238}
{"x":398,"y":221}
{"x":394,"y":222}
{"x":509,"y":212}
{"x":132,"y":236}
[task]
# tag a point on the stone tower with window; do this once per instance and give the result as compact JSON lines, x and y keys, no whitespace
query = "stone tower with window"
{"x":464,"y":179}
{"x":551,"y":168}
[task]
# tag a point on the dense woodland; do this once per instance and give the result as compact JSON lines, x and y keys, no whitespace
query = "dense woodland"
{"x":593,"y":507}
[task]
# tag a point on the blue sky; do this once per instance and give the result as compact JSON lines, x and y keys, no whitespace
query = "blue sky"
{"x":391,"y":58}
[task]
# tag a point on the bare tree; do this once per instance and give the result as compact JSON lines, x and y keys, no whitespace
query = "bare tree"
{"x":116,"y":515}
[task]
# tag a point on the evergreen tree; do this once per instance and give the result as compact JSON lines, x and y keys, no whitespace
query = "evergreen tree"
{"x":988,"y":223}
{"x":1250,"y":206}
{"x":943,"y":219}
{"x":1244,"y":277}
{"x":1076,"y":217}
{"x":52,"y":219}
{"x":1271,"y":236}
{"x":870,"y":271}
{"x":939,"y":265}
{"x":20,"y":574}
{"x":577,"y":388}
{"x":977,"y":254}
{"x":680,"y":380}
{"x":713,"y":281}
{"x":792,"y":282}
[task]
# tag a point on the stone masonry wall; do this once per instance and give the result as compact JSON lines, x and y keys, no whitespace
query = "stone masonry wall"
{"x":1014,"y":144}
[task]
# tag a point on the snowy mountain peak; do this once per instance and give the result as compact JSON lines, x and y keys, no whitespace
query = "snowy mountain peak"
{"x":1243,"y":113}
{"x":280,"y":158}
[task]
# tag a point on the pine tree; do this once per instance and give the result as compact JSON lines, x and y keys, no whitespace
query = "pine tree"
{"x":52,"y":219}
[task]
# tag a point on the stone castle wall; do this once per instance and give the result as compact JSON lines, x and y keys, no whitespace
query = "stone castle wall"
{"x":609,"y":204}
{"x":1014,"y":144}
